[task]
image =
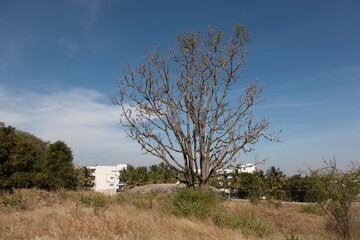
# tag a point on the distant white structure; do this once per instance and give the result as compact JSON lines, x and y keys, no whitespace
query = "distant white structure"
{"x":225,"y":170}
{"x":248,"y":168}
{"x":106,"y":178}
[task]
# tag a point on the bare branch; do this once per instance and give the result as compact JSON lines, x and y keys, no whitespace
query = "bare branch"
{"x":184,"y":115}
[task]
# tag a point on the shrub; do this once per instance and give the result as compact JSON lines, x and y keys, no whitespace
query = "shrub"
{"x":97,"y":202}
{"x":335,"y":191}
{"x":84,"y":199}
{"x":12,"y":201}
{"x":196,"y":202}
{"x":206,"y":205}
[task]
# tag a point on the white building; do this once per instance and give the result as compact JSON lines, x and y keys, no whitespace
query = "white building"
{"x":248,"y":168}
{"x":106,"y":178}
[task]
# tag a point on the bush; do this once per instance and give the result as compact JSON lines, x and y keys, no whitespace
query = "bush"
{"x":206,"y":205}
{"x":97,"y":202}
{"x":196,"y":202}
{"x":12,"y":201}
{"x":335,"y":190}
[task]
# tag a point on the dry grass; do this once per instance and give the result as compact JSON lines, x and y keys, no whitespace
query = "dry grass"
{"x":65,"y":221}
{"x":44,"y":215}
{"x":287,"y":219}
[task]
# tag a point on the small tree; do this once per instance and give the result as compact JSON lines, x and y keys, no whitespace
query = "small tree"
{"x":275,"y":180}
{"x":179,"y":108}
{"x":335,"y":190}
{"x":298,"y":188}
{"x":250,"y":185}
{"x":58,"y":167}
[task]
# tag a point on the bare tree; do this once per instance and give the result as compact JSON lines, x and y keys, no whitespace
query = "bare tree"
{"x":177,"y":106}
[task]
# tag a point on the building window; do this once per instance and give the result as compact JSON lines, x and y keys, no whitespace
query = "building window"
{"x":111,"y":185}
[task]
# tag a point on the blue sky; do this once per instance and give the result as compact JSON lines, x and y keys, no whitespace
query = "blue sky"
{"x":59,"y":62}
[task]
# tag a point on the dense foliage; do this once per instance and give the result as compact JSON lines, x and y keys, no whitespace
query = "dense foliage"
{"x":27,"y":161}
{"x":160,"y":173}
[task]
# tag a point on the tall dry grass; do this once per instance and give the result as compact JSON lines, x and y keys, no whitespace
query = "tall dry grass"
{"x":61,"y":215}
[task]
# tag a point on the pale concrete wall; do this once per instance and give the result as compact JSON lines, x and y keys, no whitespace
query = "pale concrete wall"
{"x":107,"y":177}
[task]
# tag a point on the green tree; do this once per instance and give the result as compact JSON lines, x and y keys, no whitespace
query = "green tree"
{"x":298,"y":188}
{"x":160,"y":173}
{"x":84,"y":179}
{"x":335,"y":191}
{"x":88,"y":180}
{"x":58,"y":168}
{"x":250,"y":185}
{"x":275,"y":180}
{"x":133,"y":177}
{"x":21,"y":157}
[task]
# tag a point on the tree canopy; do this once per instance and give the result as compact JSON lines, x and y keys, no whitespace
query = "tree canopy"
{"x":27,"y":161}
{"x":179,"y":107}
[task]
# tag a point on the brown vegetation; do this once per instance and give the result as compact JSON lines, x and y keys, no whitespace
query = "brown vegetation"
{"x":37,"y":214}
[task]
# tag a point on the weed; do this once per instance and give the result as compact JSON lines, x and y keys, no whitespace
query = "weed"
{"x":292,"y":236}
{"x":277,"y":204}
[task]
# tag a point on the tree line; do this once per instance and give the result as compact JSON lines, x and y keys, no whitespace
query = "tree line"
{"x":272,"y":184}
{"x":137,"y":176}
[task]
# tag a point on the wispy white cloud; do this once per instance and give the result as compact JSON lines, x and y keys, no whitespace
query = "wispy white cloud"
{"x":77,"y":116}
